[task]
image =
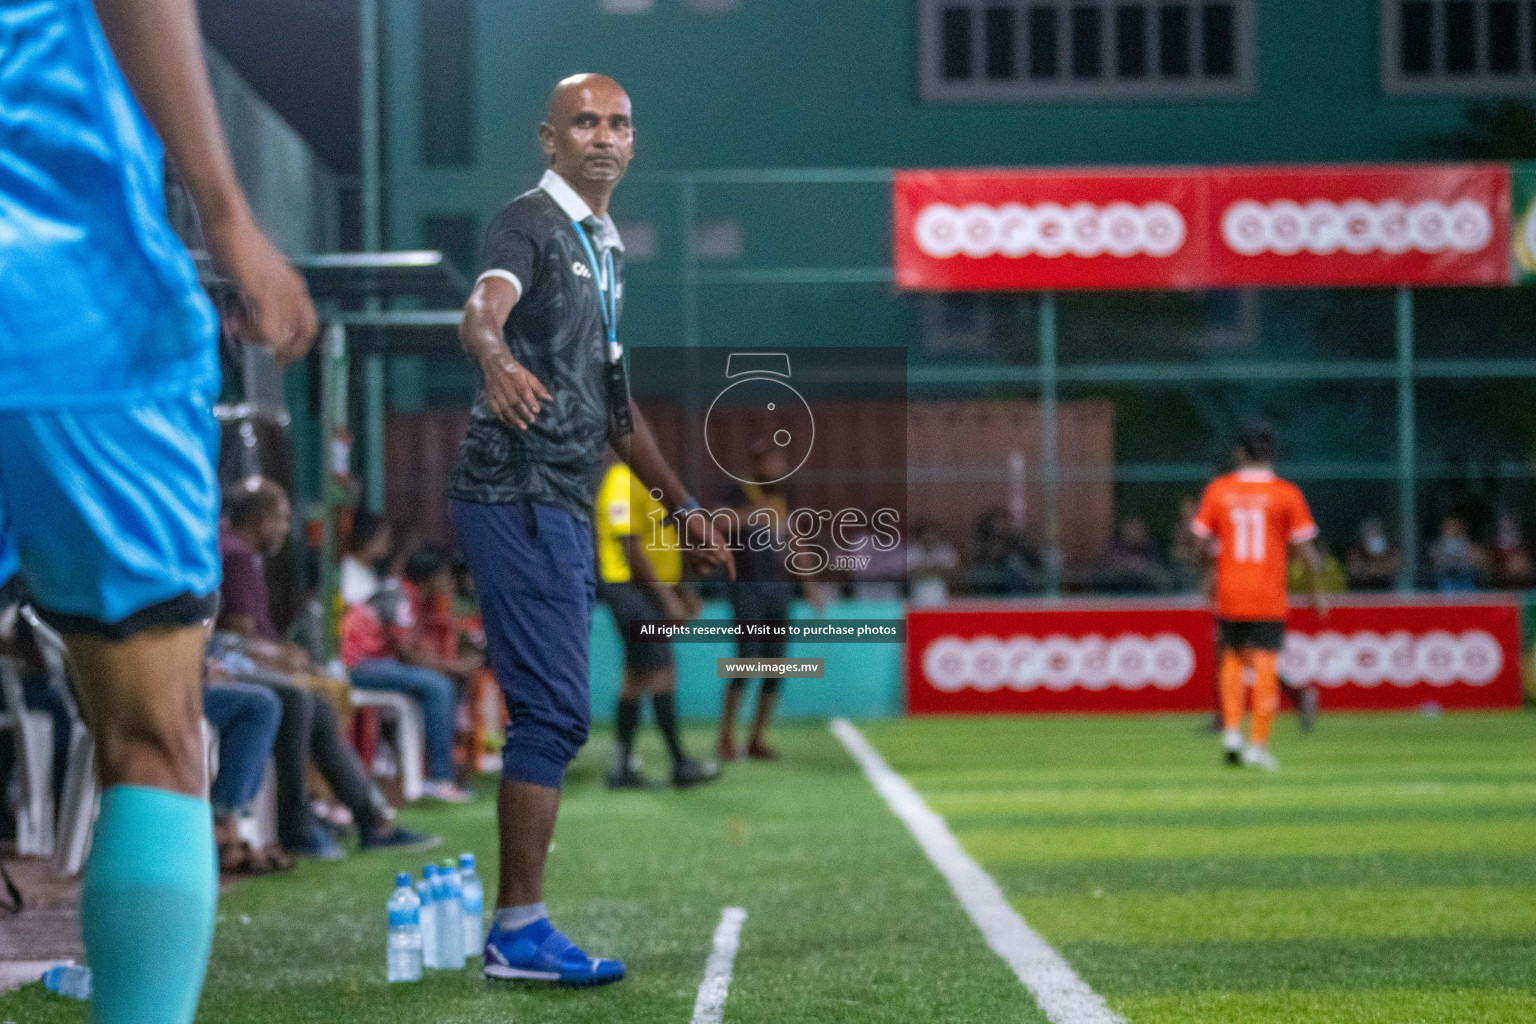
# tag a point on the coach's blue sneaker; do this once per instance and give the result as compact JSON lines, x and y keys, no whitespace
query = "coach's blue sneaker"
{"x":539,"y":952}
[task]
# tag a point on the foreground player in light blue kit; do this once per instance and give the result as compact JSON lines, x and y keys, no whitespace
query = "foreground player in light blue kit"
{"x":108,"y":496}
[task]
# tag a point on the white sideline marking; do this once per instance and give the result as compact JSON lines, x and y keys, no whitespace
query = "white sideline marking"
{"x":710,"y":1006}
{"x":1065,"y":998}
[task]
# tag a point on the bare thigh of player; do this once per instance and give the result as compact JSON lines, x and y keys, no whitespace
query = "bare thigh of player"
{"x":143,"y":700}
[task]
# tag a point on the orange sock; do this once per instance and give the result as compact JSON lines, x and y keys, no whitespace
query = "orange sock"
{"x":1266,"y":694}
{"x":1231,"y":690}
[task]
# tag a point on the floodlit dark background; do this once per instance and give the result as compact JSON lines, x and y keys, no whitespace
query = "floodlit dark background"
{"x":758,"y":213}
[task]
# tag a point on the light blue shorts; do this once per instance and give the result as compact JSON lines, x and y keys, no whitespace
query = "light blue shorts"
{"x":110,"y":513}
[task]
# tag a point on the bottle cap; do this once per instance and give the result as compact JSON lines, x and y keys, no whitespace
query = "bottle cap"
{"x":466,"y":860}
{"x":403,"y":878}
{"x":430,"y":871}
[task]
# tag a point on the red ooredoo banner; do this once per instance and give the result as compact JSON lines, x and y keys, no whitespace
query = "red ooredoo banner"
{"x":1001,"y":659}
{"x":1200,"y":228}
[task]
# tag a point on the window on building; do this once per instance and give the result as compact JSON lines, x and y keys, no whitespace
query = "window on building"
{"x":1000,"y":45}
{"x":1087,"y":41}
{"x":1131,"y":41}
{"x":1043,"y":43}
{"x":1086,"y":49}
{"x":1173,"y":25}
{"x":957,"y":44}
{"x":1468,"y":47}
{"x":446,"y":31}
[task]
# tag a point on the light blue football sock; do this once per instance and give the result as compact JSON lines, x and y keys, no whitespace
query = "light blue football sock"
{"x":147,"y":906}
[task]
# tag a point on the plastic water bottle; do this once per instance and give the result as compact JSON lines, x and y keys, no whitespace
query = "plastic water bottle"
{"x":450,"y":919}
{"x":474,"y":906}
{"x":70,"y":980}
{"x":404,"y":931}
{"x":426,"y":889}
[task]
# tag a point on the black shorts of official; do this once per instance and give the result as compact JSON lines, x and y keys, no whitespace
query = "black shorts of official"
{"x":761,"y":602}
{"x":631,"y":602}
{"x":1251,"y":634}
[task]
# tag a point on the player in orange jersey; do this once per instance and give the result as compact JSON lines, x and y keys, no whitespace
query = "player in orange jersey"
{"x":1250,"y":520}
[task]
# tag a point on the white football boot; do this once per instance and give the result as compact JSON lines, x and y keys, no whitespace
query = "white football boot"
{"x":1259,"y":757}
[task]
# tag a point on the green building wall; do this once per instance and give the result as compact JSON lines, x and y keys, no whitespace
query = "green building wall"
{"x":831,"y":83}
{"x":834,"y":83}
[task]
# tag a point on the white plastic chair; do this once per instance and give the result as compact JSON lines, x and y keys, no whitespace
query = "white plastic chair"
{"x":81,"y":799}
{"x":259,"y":827}
{"x":33,"y":735}
{"x":410,"y":734}
{"x":78,"y":803}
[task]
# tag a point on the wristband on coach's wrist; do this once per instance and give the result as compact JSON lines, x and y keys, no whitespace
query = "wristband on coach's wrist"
{"x":690,"y":504}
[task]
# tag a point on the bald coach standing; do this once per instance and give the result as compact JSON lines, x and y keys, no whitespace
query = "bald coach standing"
{"x":542,"y":322}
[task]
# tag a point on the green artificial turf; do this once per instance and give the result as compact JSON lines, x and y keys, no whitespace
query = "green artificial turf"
{"x":846,"y":920}
{"x":1387,"y":875}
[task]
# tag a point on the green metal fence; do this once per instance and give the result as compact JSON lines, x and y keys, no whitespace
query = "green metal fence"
{"x":699,"y":285}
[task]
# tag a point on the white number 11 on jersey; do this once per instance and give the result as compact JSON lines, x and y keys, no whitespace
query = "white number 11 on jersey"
{"x":1248,"y":534}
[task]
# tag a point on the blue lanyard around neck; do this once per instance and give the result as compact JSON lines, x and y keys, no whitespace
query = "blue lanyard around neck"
{"x":607,"y":296}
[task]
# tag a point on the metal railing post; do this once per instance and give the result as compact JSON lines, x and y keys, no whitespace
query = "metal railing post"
{"x":1407,"y":489}
{"x":693,"y":420}
{"x":1050,"y":455}
{"x":370,"y":116}
{"x":369,"y":127}
{"x":373,"y":432}
{"x":334,"y":448}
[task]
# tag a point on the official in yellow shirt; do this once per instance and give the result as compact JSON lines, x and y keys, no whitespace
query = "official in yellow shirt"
{"x":625,"y":509}
{"x":639,"y":571}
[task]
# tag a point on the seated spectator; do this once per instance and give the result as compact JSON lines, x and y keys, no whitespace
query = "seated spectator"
{"x":1456,"y":563}
{"x":443,"y":643}
{"x":436,"y":639}
{"x":1512,"y":567}
{"x":248,"y":647}
{"x":382,"y":651}
{"x":485,"y":710}
{"x":370,"y":546}
{"x":931,"y":565}
{"x":1374,"y":562}
{"x":1001,"y":563}
{"x":1185,"y":555}
{"x":245,"y":716}
{"x":1132,"y":564}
